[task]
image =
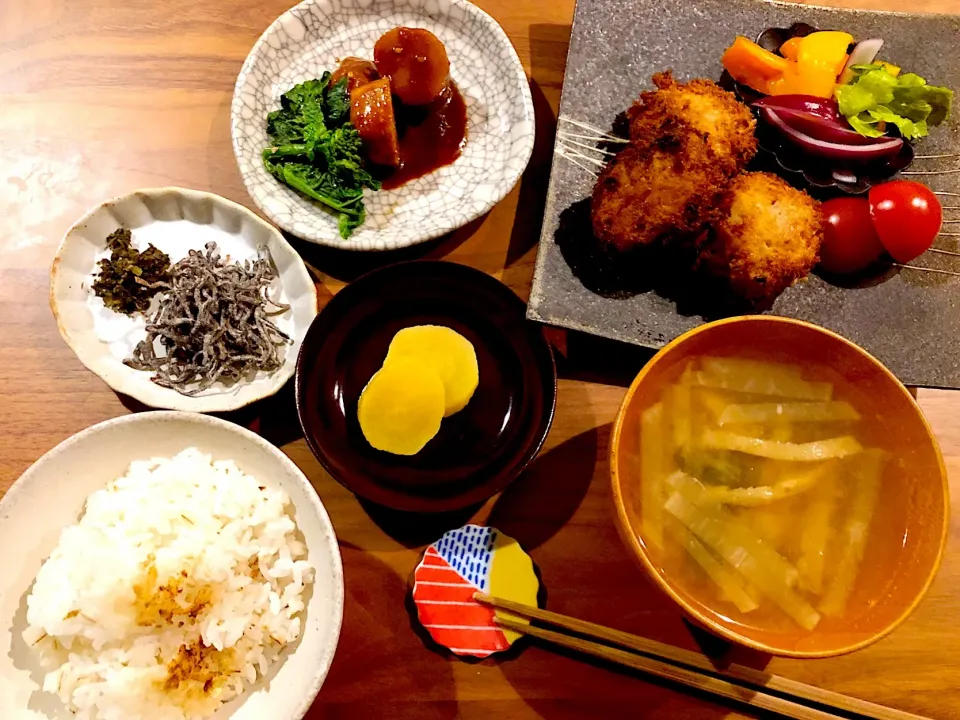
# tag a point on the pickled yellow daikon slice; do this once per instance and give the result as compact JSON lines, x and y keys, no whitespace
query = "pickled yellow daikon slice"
{"x":401,"y":408}
{"x":448,"y":353}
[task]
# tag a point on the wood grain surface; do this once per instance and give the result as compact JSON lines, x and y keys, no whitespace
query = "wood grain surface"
{"x":99,"y":97}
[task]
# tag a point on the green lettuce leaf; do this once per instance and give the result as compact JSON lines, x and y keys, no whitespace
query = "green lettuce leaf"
{"x":907,"y":102}
{"x":865,"y":125}
{"x":938,"y":99}
{"x":909,"y":128}
{"x":911,"y":80}
{"x":854,"y":99}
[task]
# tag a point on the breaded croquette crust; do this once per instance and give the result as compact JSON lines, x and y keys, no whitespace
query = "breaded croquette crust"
{"x":768,"y":238}
{"x":726,"y":124}
{"x":686,"y":142}
{"x":657,"y":193}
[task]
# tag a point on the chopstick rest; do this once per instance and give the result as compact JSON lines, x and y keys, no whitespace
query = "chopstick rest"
{"x":461,"y":563}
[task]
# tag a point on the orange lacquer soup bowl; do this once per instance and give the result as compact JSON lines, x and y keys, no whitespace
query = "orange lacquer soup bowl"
{"x":909,"y":528}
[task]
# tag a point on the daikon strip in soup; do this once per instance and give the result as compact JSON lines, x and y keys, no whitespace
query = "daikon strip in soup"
{"x":765,"y":490}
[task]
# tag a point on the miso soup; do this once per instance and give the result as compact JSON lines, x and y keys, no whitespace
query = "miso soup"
{"x":765,"y":490}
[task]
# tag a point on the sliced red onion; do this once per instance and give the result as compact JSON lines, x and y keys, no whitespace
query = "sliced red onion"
{"x":825,"y":108}
{"x":836,"y":151}
{"x":864,"y":53}
{"x":835,"y":131}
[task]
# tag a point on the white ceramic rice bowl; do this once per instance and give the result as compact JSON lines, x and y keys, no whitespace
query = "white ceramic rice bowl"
{"x":50,"y":496}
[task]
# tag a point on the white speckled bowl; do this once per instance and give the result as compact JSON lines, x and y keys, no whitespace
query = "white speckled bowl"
{"x":174,"y":220}
{"x":311,"y":37}
{"x":50,"y":496}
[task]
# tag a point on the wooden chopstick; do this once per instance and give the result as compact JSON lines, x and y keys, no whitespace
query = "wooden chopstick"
{"x":690,"y":678}
{"x":728,"y":682}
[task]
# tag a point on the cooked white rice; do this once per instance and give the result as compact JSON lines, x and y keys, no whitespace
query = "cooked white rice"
{"x":182,"y":581}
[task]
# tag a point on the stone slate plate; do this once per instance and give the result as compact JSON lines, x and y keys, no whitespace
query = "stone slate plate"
{"x":910,"y":320}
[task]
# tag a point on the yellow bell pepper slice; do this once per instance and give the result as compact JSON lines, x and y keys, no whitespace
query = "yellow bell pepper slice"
{"x":824,"y":49}
{"x":791,"y":48}
{"x":809,"y":66}
{"x":804,"y":80}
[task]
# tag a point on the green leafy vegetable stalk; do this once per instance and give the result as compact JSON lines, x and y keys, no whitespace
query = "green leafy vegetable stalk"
{"x":874,"y":96}
{"x":316,"y":151}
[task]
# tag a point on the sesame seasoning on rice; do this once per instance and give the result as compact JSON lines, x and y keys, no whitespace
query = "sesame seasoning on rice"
{"x":179,"y":586}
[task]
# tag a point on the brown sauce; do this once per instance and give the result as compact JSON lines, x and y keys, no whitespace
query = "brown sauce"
{"x":431,"y":136}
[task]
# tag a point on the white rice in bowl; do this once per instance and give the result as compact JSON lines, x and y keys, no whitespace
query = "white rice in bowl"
{"x":179,"y":586}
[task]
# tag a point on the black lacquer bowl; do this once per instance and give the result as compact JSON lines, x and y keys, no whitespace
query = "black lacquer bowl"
{"x":478,"y":450}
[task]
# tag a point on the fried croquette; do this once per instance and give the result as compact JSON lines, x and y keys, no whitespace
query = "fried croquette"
{"x":658,"y":193}
{"x":768,"y":238}
{"x":686,"y":143}
{"x":726,"y":124}
{"x":679,"y":184}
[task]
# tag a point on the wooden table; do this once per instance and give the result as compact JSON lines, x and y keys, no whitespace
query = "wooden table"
{"x":100,"y":97}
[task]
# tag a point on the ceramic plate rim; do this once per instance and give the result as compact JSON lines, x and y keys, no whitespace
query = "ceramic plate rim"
{"x":146,"y":394}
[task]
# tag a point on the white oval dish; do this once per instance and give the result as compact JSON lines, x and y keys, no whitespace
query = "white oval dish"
{"x":311,"y":38}
{"x":175,"y":220}
{"x":50,"y":496}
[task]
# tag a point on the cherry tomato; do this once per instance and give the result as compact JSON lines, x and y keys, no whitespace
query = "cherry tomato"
{"x":850,"y":242}
{"x":907,"y":216}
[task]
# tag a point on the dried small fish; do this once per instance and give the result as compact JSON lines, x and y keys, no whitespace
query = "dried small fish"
{"x":213,"y":323}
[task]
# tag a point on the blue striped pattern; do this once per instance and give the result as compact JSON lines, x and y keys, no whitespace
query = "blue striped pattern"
{"x":469,"y":551}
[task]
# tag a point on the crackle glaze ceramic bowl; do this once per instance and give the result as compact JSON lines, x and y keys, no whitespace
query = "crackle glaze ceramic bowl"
{"x":313,"y":37}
